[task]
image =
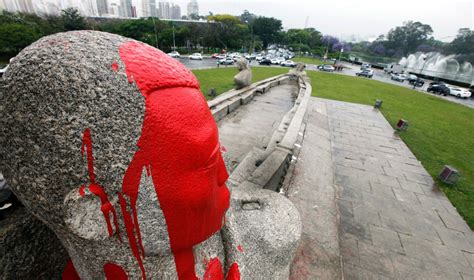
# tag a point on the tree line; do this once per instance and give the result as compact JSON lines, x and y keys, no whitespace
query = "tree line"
{"x":247,"y":32}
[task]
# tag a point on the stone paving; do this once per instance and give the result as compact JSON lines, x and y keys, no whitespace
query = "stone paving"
{"x":252,"y":125}
{"x":394,"y":223}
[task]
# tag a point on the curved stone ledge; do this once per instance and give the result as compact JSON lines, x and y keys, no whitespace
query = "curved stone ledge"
{"x":266,"y":168}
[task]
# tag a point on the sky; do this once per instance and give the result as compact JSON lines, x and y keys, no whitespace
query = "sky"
{"x":343,"y":18}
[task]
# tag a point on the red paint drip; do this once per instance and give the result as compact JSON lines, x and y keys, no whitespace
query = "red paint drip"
{"x":114,"y":272}
{"x":115,"y":66}
{"x":214,"y":270}
{"x":234,"y":272}
{"x":69,"y":272}
{"x":106,"y":206}
{"x":189,"y":179}
{"x":240,"y":249}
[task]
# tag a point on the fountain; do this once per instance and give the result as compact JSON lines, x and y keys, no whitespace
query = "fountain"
{"x":435,"y":64}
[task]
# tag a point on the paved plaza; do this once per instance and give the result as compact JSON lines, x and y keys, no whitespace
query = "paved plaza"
{"x":392,"y":220}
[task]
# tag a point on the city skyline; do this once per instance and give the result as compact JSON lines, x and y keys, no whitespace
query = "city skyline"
{"x":99,"y":8}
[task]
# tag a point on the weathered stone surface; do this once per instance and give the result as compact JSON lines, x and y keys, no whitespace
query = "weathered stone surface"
{"x":65,"y":84}
{"x":264,"y":248}
{"x":29,"y":249}
{"x":244,"y":77}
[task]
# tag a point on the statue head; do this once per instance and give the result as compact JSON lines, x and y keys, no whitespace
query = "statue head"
{"x":242,"y":64}
{"x":111,"y":143}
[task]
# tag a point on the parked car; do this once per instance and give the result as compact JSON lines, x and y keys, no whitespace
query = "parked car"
{"x":365,"y":66}
{"x":3,"y":70}
{"x":288,"y":63}
{"x":174,"y":54}
{"x":221,"y":56}
{"x":215,"y":55}
{"x":459,"y":92}
{"x":259,"y":57}
{"x":275,"y":61}
{"x":398,"y":77}
{"x":226,"y":61}
{"x":195,"y":56}
{"x":416,"y":82}
{"x":441,"y":88}
{"x":265,"y":61}
{"x":366,"y":73}
{"x":327,"y":68}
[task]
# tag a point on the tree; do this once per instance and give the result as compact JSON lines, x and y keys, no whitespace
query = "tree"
{"x":463,"y":43}
{"x":73,"y":20}
{"x":15,"y":36}
{"x":405,"y":39}
{"x":230,"y":31}
{"x":267,"y":29}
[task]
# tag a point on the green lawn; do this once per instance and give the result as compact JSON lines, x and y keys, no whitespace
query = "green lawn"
{"x":222,"y":79}
{"x":440,"y":132}
{"x":310,"y":60}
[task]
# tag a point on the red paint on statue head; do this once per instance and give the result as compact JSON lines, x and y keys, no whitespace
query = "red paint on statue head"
{"x":106,"y":207}
{"x":179,"y":147}
{"x":114,"y":272}
{"x":115,"y":66}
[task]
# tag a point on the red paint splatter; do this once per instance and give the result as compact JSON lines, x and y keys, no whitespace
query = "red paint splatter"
{"x":106,"y":206}
{"x":240,"y":249}
{"x":214,"y":270}
{"x":223,"y":149}
{"x":114,"y":272}
{"x":69,"y":272}
{"x":115,"y":66}
{"x":189,"y":179}
{"x":234,"y":272}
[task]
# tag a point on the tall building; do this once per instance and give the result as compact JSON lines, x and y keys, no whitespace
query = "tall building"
{"x":26,"y":6}
{"x":193,"y":8}
{"x":91,"y":8}
{"x":146,"y":12}
{"x":114,"y":9}
{"x":153,"y":12}
{"x":102,"y":7}
{"x":164,"y":10}
{"x":175,"y":11}
{"x":126,"y":8}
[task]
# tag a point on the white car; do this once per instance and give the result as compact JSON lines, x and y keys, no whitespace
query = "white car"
{"x":174,"y":54}
{"x":195,"y":56}
{"x":288,"y":63}
{"x":459,"y":92}
{"x":275,"y":61}
{"x":221,"y":56}
{"x":398,"y":77}
{"x":327,"y":68}
{"x":259,"y":57}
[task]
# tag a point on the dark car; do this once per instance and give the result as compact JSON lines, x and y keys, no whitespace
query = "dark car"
{"x":438,"y":88}
{"x":265,"y":61}
{"x":416,"y":82}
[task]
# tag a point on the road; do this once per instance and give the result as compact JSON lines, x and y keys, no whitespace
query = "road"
{"x":350,"y":70}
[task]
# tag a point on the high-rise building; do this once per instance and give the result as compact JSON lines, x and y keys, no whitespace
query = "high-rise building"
{"x":175,"y":11}
{"x":114,"y":9}
{"x":91,"y":8}
{"x":164,"y":10}
{"x":193,"y":8}
{"x":102,"y":7}
{"x":146,"y":12}
{"x":126,"y":8}
{"x":153,"y":12}
{"x":25,"y":6}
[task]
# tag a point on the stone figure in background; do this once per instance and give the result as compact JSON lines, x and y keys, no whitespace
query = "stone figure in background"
{"x":298,"y":70}
{"x":244,"y":77}
{"x":112,"y":145}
